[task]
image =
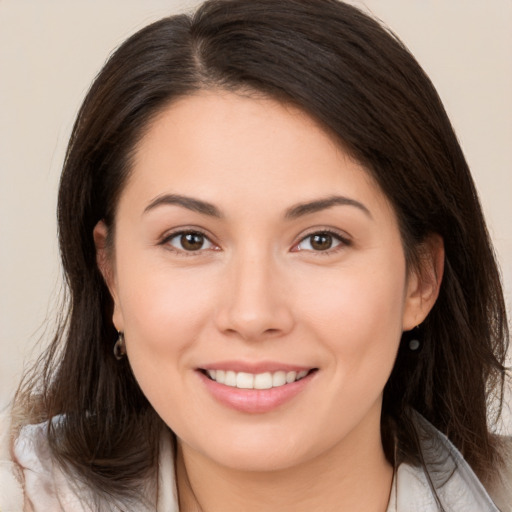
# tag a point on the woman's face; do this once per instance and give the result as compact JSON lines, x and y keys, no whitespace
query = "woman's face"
{"x":260,"y":281}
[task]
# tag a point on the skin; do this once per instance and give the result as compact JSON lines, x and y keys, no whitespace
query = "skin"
{"x":257,"y":290}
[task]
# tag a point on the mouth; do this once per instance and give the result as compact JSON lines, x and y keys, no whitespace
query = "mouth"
{"x":257,"y":381}
{"x":256,"y":388}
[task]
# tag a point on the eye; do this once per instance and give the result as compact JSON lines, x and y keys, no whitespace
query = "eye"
{"x":320,"y":242}
{"x":189,"y":241}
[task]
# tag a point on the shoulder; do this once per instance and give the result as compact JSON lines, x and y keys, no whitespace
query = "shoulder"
{"x":11,"y":490}
{"x":454,"y":483}
{"x":500,"y":488}
{"x":30,"y":479}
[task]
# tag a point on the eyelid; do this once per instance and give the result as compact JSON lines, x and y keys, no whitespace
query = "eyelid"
{"x":169,"y":235}
{"x":343,"y":238}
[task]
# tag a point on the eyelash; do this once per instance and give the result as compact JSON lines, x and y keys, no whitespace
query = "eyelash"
{"x":183,"y":252}
{"x":343,"y":242}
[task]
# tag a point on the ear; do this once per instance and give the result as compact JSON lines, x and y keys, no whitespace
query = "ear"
{"x":105,"y":262}
{"x":424,"y":282}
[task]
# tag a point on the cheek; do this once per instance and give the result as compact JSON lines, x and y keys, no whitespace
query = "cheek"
{"x":357,"y":304}
{"x":163,"y":311}
{"x":164,"y":314}
{"x":358,"y":319}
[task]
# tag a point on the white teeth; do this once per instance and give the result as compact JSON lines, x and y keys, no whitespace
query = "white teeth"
{"x":263,"y":381}
{"x":230,"y":379}
{"x":290,"y":377}
{"x":244,"y":380}
{"x":278,"y":379}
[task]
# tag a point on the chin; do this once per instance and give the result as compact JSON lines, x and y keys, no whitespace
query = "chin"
{"x":261,"y":460}
{"x":260,"y":449}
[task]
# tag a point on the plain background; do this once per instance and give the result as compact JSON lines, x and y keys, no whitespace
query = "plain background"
{"x":50,"y":50}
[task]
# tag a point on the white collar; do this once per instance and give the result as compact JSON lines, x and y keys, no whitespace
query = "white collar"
{"x":445,"y":480}
{"x":455,"y":484}
{"x":48,"y":487}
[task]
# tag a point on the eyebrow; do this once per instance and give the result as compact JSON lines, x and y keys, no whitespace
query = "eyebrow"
{"x":323,"y":204}
{"x":298,"y":210}
{"x":196,"y":205}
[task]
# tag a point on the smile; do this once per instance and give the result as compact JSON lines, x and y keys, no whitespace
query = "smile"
{"x":259,"y":391}
{"x":266,"y":380}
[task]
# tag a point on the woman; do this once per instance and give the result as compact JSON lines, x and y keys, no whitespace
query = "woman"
{"x":281,"y":288}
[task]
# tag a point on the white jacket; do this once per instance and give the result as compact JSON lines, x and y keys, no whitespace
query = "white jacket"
{"x":31,"y":481}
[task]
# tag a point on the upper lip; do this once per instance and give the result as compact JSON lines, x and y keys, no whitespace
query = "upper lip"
{"x":255,"y":367}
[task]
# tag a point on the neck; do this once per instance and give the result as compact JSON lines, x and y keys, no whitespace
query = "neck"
{"x":352,"y":476}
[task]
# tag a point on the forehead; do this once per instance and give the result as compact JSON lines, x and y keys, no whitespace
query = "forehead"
{"x":218,"y":145}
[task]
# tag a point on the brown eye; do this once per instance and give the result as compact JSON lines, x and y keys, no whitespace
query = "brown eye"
{"x":190,"y":241}
{"x":321,"y":241}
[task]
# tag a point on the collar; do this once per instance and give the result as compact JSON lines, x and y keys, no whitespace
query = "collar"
{"x":446,"y":483}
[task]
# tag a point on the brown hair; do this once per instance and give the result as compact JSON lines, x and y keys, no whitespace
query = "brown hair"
{"x":358,"y":80}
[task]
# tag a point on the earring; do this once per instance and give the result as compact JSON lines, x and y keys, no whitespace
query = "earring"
{"x":414,"y":342}
{"x":119,"y":348}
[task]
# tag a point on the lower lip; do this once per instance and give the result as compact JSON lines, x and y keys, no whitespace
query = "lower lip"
{"x":255,"y":401}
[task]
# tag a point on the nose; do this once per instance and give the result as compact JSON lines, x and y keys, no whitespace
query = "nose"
{"x":255,"y":302}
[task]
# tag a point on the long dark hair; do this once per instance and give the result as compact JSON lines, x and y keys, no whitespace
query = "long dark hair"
{"x":360,"y":82}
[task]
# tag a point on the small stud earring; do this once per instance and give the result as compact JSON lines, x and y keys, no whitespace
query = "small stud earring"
{"x":119,"y":347}
{"x":414,"y":342}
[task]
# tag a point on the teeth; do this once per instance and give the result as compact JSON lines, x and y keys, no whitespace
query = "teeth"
{"x":267,"y":380}
{"x":263,"y":381}
{"x":290,"y":377}
{"x":244,"y":380}
{"x":230,"y":379}
{"x":278,"y":379}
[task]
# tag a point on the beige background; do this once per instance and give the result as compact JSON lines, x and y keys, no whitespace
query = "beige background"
{"x":50,"y":50}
